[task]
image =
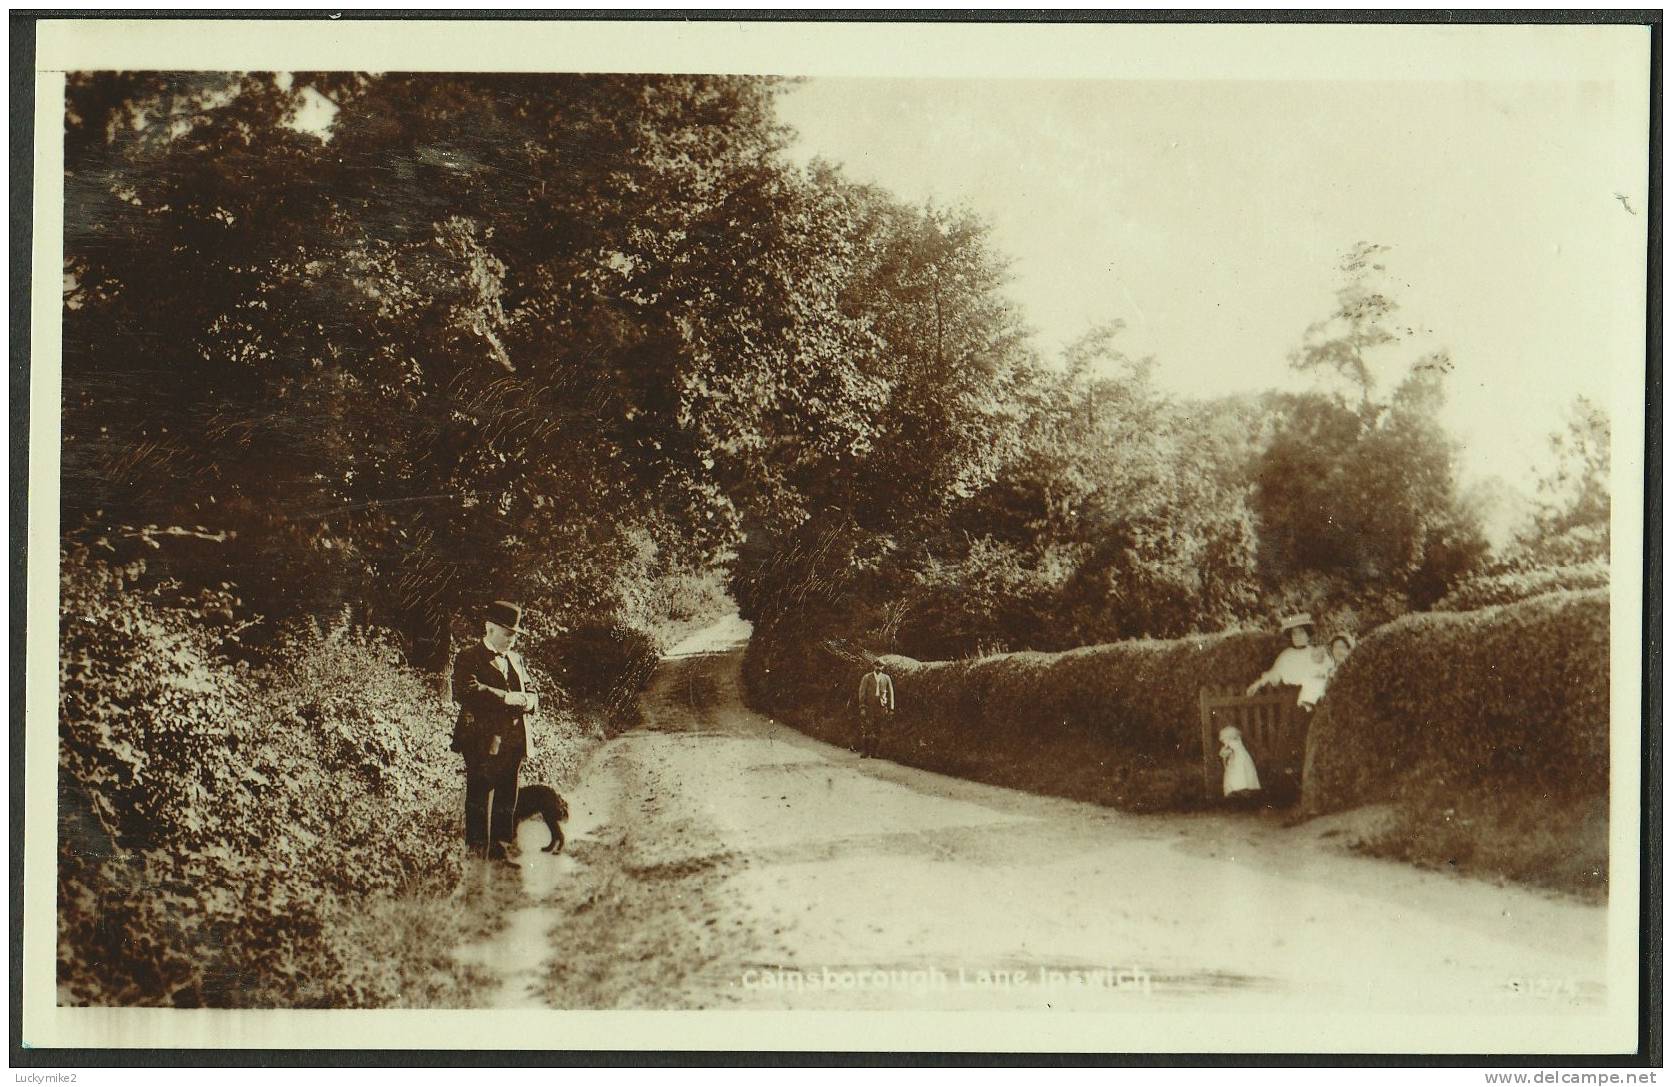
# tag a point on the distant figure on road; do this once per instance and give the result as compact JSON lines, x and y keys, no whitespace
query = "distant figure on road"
{"x":491,"y":686}
{"x":1240,"y":775}
{"x":876,"y":701}
{"x":1300,"y":663}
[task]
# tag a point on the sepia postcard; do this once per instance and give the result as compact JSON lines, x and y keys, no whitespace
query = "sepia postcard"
{"x":898,"y":535}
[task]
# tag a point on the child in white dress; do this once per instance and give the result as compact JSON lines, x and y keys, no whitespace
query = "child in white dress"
{"x":1240,"y":775}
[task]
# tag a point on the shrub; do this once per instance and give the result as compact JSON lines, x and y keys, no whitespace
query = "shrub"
{"x":1116,"y":724}
{"x":678,"y":604}
{"x":1489,"y":590}
{"x":1335,"y":602}
{"x":603,"y":666}
{"x":1467,"y":722}
{"x":146,"y":715}
{"x":992,"y":595}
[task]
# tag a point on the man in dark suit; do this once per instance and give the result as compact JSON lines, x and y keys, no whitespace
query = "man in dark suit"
{"x":491,"y":686}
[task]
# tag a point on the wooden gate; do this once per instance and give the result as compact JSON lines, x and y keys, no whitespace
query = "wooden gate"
{"x":1273,"y":730}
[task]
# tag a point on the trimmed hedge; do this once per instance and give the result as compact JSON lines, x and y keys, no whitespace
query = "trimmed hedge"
{"x":1491,"y":590}
{"x":1488,"y":732}
{"x":1114,"y":724}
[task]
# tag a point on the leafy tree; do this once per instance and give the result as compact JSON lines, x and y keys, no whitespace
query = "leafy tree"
{"x":1572,"y":522}
{"x":1112,"y":511}
{"x":932,"y":358}
{"x":484,"y":325}
{"x":1351,"y":345}
{"x":1357,"y":485}
{"x":1121,"y":501}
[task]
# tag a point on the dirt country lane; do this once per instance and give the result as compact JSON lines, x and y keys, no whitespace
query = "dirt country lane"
{"x":720,"y":860}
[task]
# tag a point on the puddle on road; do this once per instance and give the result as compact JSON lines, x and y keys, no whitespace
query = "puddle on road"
{"x":517,"y":957}
{"x":519,"y":954}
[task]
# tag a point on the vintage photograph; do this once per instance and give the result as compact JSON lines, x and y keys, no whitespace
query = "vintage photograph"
{"x":1144,"y":551}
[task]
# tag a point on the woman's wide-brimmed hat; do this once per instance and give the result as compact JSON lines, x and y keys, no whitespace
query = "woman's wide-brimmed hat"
{"x":506,"y":614}
{"x":1298,"y":619}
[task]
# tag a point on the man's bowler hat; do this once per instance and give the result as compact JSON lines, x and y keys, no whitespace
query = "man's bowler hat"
{"x":506,"y":614}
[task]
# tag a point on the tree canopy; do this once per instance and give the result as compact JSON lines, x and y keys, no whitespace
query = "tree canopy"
{"x":551,"y":337}
{"x":491,"y":334}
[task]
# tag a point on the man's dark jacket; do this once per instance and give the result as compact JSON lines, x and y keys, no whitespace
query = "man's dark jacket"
{"x":479,"y":688}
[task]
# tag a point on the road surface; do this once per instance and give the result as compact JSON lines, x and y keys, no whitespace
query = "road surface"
{"x":720,"y":860}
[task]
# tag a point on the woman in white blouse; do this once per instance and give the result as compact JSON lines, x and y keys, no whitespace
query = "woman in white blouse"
{"x":1300,"y":664}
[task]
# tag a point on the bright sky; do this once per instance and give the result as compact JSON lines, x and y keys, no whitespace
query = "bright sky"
{"x":1210,"y":217}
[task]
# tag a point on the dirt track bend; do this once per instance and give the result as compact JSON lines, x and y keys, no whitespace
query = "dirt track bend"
{"x":720,"y":860}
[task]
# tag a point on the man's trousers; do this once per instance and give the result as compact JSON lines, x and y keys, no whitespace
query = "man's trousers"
{"x":870,"y":729}
{"x":490,"y":802}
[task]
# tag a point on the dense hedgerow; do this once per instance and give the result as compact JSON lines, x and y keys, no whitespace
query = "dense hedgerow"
{"x":1116,"y":724}
{"x":603,"y":666}
{"x":226,"y":828}
{"x":1489,"y":590}
{"x":1487,"y":730}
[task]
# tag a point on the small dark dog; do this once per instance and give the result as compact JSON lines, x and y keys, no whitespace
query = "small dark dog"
{"x":544,"y":801}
